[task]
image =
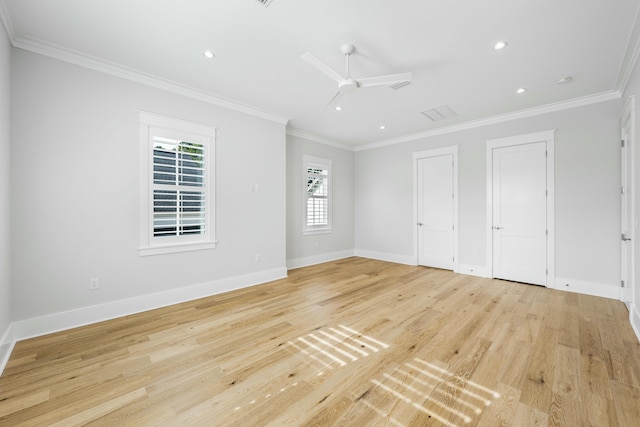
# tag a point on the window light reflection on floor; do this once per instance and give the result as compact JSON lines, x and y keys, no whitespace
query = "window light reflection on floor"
{"x":428,"y":388}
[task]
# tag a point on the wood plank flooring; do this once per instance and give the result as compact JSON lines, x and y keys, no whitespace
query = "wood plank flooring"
{"x":355,"y":342}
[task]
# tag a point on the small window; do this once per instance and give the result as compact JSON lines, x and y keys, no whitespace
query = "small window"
{"x":317,"y":195}
{"x":177,"y":197}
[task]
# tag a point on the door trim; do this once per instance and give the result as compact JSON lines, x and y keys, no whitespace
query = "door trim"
{"x":628,"y":115}
{"x":549,"y":137}
{"x":453,"y":150}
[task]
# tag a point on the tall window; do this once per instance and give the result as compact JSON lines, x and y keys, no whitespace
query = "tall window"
{"x":317,"y":195}
{"x":176,"y":208}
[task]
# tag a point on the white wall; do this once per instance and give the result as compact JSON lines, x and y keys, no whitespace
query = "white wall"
{"x":5,"y":137}
{"x":302,"y":250}
{"x":587,"y":178}
{"x":75,"y":193}
{"x":633,"y":89}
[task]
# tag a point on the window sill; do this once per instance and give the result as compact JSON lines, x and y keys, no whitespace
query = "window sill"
{"x":317,"y":231}
{"x":176,"y":248}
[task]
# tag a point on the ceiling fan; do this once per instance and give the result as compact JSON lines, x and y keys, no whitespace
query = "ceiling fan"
{"x":348,"y":84}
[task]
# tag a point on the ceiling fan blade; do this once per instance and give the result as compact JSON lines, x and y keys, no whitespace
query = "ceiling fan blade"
{"x":321,"y":66}
{"x":335,"y":98}
{"x":384,"y":80}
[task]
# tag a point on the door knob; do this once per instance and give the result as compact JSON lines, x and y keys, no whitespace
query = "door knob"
{"x":420,"y":224}
{"x":497,"y":228}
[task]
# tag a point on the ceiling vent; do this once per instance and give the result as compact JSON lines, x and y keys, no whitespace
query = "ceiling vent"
{"x":265,"y":2}
{"x":398,"y":85}
{"x":439,"y":113}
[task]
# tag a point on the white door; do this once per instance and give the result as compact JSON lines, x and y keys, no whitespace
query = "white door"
{"x":627,"y":266}
{"x":436,"y":211}
{"x":519,"y":223}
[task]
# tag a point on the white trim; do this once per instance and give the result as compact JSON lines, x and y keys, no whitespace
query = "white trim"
{"x":111,"y":68}
{"x":630,"y":190}
{"x":549,"y":137}
{"x":436,"y":152}
{"x":630,"y":58}
{"x":56,"y":322}
{"x":318,"y":259}
{"x":634,"y":318}
{"x":384,"y":256}
{"x":587,"y":288}
{"x":5,"y":17}
{"x":531,"y":112}
{"x":472,"y":270}
{"x":6,"y":347}
{"x":317,"y":138}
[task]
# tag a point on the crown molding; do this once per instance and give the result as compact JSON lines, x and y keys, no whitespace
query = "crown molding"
{"x":317,"y":138}
{"x":531,"y":112}
{"x":631,"y":54}
{"x":87,"y":61}
{"x":5,"y":18}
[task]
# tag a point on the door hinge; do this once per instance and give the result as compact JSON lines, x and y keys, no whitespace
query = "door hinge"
{"x":546,"y":232}
{"x":546,"y":272}
{"x":622,"y":143}
{"x":622,"y":283}
{"x":621,"y":190}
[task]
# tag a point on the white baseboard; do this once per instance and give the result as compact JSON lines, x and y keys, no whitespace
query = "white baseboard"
{"x":29,"y":328}
{"x":318,"y":259}
{"x":473,"y":270}
{"x":6,"y":347}
{"x":383,"y":256}
{"x":634,"y":318}
{"x":588,"y":288}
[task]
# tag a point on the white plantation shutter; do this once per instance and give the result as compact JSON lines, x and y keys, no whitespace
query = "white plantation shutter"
{"x":177,"y":185}
{"x":317,"y":196}
{"x":179,"y":190}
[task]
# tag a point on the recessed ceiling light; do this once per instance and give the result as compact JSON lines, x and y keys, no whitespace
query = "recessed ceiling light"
{"x":338,"y":108}
{"x":383,"y":127}
{"x":521,"y":90}
{"x":500,"y":45}
{"x":565,"y":80}
{"x":208,"y":54}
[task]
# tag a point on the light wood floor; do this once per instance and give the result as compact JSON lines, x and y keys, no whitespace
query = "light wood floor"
{"x":355,"y":342}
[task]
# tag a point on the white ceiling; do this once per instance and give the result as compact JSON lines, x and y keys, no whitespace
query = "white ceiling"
{"x":447,"y":45}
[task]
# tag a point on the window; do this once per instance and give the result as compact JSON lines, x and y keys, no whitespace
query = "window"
{"x":177,"y":187}
{"x":317,"y":195}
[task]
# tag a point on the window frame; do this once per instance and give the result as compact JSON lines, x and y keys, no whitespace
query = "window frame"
{"x":309,"y":161}
{"x":157,"y":126}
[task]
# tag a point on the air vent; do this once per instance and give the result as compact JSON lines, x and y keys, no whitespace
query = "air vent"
{"x":265,"y":2}
{"x":439,"y":113}
{"x":398,"y":85}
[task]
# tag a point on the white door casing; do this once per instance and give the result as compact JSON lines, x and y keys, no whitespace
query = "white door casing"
{"x":627,"y":236}
{"x":520,"y":232}
{"x":436,"y":212}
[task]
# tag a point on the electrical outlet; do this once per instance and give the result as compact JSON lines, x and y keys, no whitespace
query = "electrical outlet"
{"x":94,"y":284}
{"x":257,"y":258}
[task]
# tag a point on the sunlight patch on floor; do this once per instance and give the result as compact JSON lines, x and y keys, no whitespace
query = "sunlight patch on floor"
{"x":442,"y":395}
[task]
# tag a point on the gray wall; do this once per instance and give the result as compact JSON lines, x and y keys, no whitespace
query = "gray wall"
{"x":75,"y":190}
{"x":301,"y":249}
{"x":5,"y":137}
{"x":587,"y":187}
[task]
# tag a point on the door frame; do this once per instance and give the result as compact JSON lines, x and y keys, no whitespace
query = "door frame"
{"x":628,"y":115}
{"x":436,"y":152}
{"x":549,"y":137}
